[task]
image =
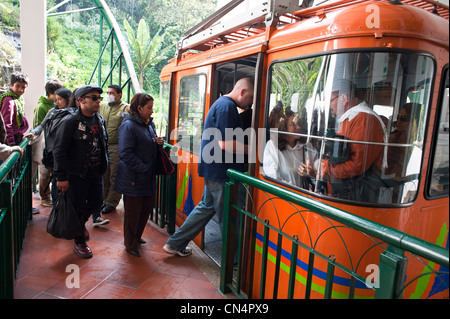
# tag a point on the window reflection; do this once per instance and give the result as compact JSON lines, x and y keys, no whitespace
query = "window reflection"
{"x":161,"y":118}
{"x":361,"y":119}
{"x":440,"y":177}
{"x":190,"y":112}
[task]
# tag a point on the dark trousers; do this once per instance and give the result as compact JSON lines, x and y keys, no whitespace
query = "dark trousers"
{"x":137,"y":211}
{"x":87,"y":197}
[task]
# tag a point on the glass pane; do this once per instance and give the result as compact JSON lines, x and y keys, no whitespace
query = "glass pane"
{"x":350,"y":126}
{"x":440,"y":168}
{"x":190,"y":113}
{"x":161,"y":117}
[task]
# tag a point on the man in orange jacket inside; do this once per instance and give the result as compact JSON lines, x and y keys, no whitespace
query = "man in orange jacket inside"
{"x":357,"y":122}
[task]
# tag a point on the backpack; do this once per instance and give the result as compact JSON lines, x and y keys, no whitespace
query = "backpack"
{"x":50,"y":130}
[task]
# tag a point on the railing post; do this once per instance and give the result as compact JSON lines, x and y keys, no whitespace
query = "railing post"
{"x":226,"y":267}
{"x":7,"y":266}
{"x":99,"y":80}
{"x":171,"y":187}
{"x":392,"y":270}
{"x":293,"y":268}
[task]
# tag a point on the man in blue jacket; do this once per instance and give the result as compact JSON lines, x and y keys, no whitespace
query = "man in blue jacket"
{"x":81,"y":157}
{"x":212,"y":167}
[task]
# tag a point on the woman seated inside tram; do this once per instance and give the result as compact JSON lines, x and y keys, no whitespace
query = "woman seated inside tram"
{"x":286,"y":150}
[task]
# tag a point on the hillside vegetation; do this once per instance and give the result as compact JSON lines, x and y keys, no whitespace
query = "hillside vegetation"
{"x":73,"y":39}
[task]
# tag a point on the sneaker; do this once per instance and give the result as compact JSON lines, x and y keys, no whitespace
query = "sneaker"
{"x":183,"y":253}
{"x":100,"y":221}
{"x":82,"y":250}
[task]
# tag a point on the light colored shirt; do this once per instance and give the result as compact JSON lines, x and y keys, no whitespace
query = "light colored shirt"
{"x":5,"y":151}
{"x":283,"y":165}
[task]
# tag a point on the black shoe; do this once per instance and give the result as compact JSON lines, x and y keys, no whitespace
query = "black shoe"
{"x":133,"y":252}
{"x":108,"y":209}
{"x":141,"y":241}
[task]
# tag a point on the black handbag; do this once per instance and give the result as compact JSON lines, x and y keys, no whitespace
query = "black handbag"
{"x":164,"y":165}
{"x":63,"y":221}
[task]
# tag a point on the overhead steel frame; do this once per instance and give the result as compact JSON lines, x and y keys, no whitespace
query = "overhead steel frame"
{"x":265,"y":16}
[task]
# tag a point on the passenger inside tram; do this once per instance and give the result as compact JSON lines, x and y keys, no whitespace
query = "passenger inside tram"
{"x":350,"y":126}
{"x":352,"y":171}
{"x":287,"y":151}
{"x":404,"y":153}
{"x":400,"y":135}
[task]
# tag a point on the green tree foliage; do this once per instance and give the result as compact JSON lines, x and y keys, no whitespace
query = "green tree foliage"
{"x":9,"y":28}
{"x":152,"y":28}
{"x":148,"y":51}
{"x":72,"y":48}
{"x":73,"y":39}
{"x":295,"y":77}
{"x":10,"y":15}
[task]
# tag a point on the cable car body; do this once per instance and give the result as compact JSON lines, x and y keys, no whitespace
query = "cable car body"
{"x":395,"y":54}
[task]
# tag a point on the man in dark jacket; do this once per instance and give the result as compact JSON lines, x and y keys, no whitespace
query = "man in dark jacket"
{"x":80,"y":159}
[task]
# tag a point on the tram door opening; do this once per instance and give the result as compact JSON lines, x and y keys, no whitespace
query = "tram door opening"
{"x":224,"y":78}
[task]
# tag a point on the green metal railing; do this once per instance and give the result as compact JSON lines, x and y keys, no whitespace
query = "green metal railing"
{"x":15,"y":211}
{"x":113,"y":52}
{"x":165,"y":204}
{"x":392,"y":243}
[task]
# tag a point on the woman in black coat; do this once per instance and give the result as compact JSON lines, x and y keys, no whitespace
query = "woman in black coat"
{"x":136,"y":172}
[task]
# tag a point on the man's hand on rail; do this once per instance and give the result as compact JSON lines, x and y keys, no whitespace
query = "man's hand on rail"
{"x":30,"y":135}
{"x":17,"y":149}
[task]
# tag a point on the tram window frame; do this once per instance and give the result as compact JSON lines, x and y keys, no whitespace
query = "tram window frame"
{"x":193,"y":146}
{"x":162,"y":116}
{"x":399,"y":98}
{"x":436,"y":147}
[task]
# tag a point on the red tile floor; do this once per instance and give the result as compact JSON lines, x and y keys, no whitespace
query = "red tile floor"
{"x":111,"y":273}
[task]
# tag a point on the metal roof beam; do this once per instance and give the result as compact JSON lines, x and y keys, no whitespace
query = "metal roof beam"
{"x":221,"y":23}
{"x":214,"y":17}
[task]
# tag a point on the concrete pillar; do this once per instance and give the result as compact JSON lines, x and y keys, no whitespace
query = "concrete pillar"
{"x":33,"y":32}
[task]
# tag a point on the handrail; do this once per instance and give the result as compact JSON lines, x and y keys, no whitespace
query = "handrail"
{"x":390,"y":235}
{"x":164,"y":210}
{"x":15,"y":211}
{"x":6,"y":166}
{"x":240,"y":268}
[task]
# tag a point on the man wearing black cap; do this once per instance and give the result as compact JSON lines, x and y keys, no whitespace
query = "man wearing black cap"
{"x":80,"y":159}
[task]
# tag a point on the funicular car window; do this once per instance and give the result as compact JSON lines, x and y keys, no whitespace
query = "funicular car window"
{"x":440,"y":167}
{"x":349,"y":126}
{"x":190,"y":112}
{"x":161,"y":116}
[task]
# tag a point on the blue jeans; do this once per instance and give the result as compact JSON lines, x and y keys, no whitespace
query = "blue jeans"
{"x":211,"y":203}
